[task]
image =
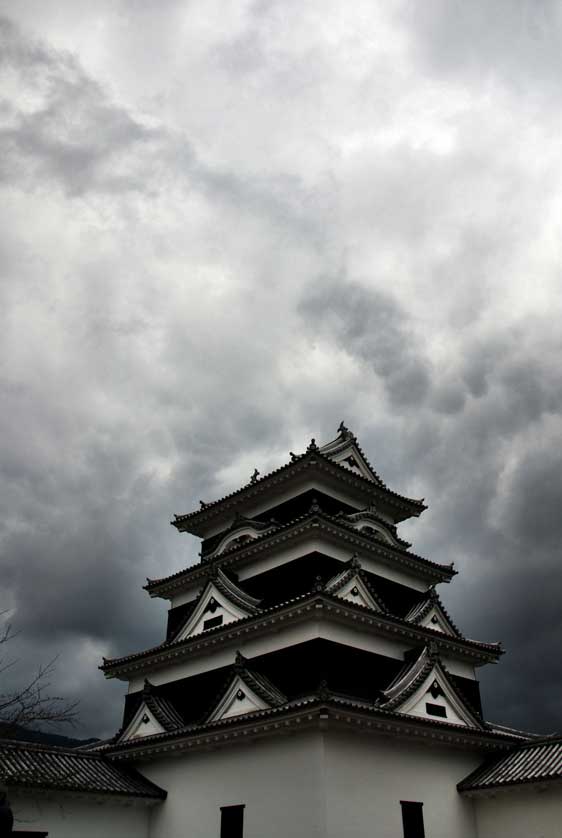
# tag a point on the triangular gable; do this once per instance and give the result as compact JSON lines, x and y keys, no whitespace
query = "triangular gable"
{"x":220,"y":603}
{"x":437,"y":699}
{"x":425,"y":690}
{"x":345,"y":451}
{"x":144,"y":723}
{"x":238,"y":699}
{"x":351,"y":587}
{"x":429,"y":613}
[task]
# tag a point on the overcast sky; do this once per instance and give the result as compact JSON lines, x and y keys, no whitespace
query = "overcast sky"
{"x":227,"y":226}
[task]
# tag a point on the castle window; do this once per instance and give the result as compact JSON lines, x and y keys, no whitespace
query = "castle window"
{"x":436,"y":710}
{"x":232,"y":821}
{"x":412,"y":819}
{"x":213,"y":622}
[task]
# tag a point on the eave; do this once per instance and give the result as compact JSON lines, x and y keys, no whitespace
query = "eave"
{"x":197,"y":521}
{"x":316,"y":712}
{"x":426,"y":569}
{"x":312,"y":605}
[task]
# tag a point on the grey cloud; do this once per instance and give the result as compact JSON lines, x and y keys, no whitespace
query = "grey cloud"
{"x":164,"y":340}
{"x":517,"y":43}
{"x":370,"y":324}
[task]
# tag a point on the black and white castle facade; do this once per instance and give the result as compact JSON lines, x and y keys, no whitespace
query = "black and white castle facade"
{"x":311,"y":684}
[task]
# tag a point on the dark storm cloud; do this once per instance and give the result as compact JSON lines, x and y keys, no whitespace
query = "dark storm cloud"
{"x":369,"y":324}
{"x":173,"y":318}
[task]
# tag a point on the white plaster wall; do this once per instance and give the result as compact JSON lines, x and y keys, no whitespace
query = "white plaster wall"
{"x":65,"y":816}
{"x":520,"y":813}
{"x":279,"y":781}
{"x":368,"y":776}
{"x":315,"y":785}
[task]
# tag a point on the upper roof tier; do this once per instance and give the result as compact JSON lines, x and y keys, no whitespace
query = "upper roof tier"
{"x":339,"y":468}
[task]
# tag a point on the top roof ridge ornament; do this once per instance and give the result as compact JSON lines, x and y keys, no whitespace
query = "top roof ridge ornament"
{"x":344,"y":431}
{"x":312,"y":446}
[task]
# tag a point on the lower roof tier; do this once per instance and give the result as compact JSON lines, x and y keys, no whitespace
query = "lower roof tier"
{"x":295,"y":672}
{"x":319,"y":613}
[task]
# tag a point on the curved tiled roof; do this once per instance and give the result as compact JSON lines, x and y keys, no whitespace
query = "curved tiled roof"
{"x":267,"y":539}
{"x":314,"y":706}
{"x":312,"y":455}
{"x":394,"y":624}
{"x":63,"y":769}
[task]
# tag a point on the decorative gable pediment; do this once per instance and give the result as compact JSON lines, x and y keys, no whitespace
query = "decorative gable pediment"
{"x":220,"y":603}
{"x":430,"y":613}
{"x":350,"y":585}
{"x":435,"y":699}
{"x":155,"y":715}
{"x":247,"y":692}
{"x":143,"y":723}
{"x":238,"y":699}
{"x":345,"y":451}
{"x":425,"y":690}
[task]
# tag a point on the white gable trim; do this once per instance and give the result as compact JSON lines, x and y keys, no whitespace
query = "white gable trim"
{"x":416,"y":704}
{"x":360,"y":466}
{"x":238,"y":700}
{"x":435,"y":619}
{"x":232,"y":536}
{"x":355,"y":590}
{"x":142,"y":724}
{"x":367,"y":523}
{"x":224,"y":608}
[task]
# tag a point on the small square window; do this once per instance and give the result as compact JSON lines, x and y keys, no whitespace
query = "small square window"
{"x":213,"y":622}
{"x":436,"y":710}
{"x":232,"y":821}
{"x":412,"y":819}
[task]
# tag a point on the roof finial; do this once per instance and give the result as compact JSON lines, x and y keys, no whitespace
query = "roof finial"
{"x":203,"y":504}
{"x":293,"y":456}
{"x":344,"y":431}
{"x":432,"y":650}
{"x":254,"y":477}
{"x":147,"y":688}
{"x":312,"y":446}
{"x":240,"y":660}
{"x":322,"y":690}
{"x":354,"y":562}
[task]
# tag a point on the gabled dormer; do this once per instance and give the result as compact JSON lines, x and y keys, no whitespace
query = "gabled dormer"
{"x":220,"y":602}
{"x":345,"y":451}
{"x":424,"y":689}
{"x":240,"y":532}
{"x":351,"y":584}
{"x":370,"y":523}
{"x":154,"y":715}
{"x":246,"y":692}
{"x":430,"y":613}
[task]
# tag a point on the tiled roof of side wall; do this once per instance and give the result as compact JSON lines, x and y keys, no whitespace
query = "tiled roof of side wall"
{"x":532,"y":763}
{"x":48,"y":767}
{"x":401,"y":499}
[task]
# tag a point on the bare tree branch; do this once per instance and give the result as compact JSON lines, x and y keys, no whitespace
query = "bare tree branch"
{"x":31,"y":704}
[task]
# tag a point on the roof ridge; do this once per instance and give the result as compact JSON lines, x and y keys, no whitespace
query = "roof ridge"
{"x":335,"y":520}
{"x":310,"y":452}
{"x":170,"y":644}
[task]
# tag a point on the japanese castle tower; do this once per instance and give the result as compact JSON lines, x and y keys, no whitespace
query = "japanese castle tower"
{"x":311,"y":683}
